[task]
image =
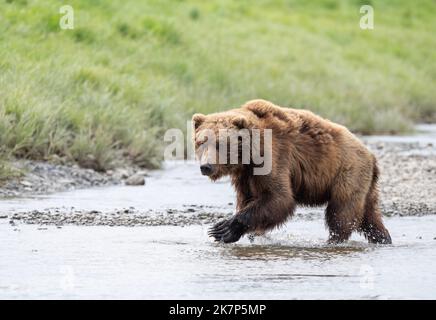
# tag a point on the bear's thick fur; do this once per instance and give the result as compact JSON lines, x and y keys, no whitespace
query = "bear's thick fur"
{"x":314,"y":162}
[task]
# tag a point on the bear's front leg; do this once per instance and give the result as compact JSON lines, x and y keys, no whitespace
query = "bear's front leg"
{"x":260,"y":215}
{"x":231,"y":230}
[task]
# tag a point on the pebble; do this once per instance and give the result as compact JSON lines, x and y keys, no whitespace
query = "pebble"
{"x":136,"y":180}
{"x":26,"y":183}
{"x":122,"y":173}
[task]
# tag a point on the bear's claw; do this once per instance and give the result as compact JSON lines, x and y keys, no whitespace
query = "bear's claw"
{"x":229,"y":230}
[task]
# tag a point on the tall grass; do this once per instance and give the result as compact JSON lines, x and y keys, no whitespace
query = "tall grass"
{"x":105,"y":91}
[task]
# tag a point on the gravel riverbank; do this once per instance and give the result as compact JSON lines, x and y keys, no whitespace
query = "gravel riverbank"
{"x":408,"y":177}
{"x":44,"y":178}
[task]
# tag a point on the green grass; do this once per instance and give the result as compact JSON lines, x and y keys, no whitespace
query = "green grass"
{"x":105,"y":91}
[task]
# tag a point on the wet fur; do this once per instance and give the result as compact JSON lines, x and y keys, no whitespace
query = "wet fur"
{"x":315,"y":162}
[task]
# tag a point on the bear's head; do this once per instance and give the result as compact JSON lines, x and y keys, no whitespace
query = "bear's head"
{"x":222,"y":142}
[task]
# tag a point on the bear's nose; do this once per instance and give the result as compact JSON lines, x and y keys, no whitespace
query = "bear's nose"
{"x":206,"y":169}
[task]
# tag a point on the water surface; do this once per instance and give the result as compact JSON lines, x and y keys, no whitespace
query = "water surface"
{"x":174,"y":262}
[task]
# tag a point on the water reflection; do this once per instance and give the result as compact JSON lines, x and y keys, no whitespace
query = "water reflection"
{"x":285,"y":252}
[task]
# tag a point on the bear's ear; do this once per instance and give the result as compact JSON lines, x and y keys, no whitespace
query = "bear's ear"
{"x":240,"y":122}
{"x":198,"y":119}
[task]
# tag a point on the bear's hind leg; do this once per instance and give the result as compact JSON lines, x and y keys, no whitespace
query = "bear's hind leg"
{"x":372,"y":224}
{"x":342,"y":218}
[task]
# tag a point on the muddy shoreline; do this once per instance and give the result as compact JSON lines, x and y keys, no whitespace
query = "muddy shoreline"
{"x":407,"y":186}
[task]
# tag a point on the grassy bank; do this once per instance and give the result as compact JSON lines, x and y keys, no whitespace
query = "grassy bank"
{"x":106,"y":90}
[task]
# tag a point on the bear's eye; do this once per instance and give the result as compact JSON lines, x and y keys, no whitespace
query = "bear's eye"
{"x":199,"y":142}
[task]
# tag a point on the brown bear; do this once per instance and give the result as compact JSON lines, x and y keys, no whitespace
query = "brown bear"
{"x":314,"y":162}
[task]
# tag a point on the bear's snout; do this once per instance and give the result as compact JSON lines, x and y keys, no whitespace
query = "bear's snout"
{"x":206,"y":169}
